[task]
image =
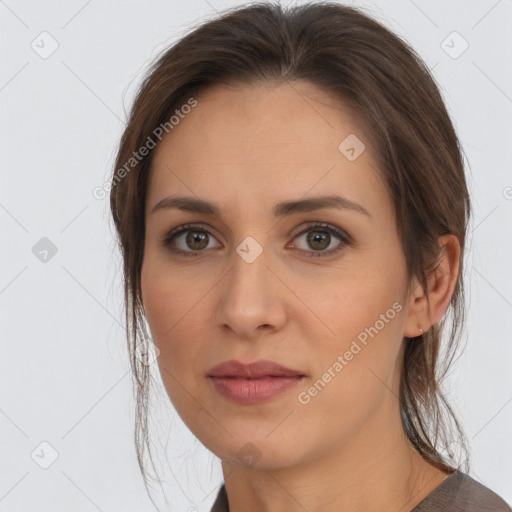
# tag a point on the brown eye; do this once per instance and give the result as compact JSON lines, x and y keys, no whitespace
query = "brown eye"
{"x":197,"y":240}
{"x":189,"y":240}
{"x":321,"y":240}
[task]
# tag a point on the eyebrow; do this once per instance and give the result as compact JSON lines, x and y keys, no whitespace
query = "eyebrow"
{"x":196,"y":205}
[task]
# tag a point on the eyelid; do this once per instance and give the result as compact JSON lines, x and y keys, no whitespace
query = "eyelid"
{"x":343,"y":235}
{"x":188,"y":227}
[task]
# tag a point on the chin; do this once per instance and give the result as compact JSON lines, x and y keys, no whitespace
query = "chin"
{"x":257,"y":452}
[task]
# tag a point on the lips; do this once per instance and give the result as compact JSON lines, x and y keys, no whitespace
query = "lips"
{"x":256,"y":370}
{"x":254,"y":382}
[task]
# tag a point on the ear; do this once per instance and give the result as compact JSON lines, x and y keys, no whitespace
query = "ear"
{"x":441,"y":284}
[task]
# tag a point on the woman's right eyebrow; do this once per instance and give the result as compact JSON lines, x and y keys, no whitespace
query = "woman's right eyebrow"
{"x":285,"y":208}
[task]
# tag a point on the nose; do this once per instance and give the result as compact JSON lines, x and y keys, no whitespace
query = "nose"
{"x":251,"y":298}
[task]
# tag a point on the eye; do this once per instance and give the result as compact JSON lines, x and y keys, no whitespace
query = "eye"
{"x":320,"y":236}
{"x":193,"y":239}
{"x":190,"y":239}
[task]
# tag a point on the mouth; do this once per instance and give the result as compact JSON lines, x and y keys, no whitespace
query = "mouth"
{"x":254,"y":382}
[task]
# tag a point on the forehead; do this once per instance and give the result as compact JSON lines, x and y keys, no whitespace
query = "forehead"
{"x":265,"y":143}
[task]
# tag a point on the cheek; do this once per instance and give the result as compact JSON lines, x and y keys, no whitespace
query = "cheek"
{"x":354,"y":369}
{"x":175,"y":314}
{"x":164,"y":303}
{"x":174,"y":333}
{"x":354,"y":301}
{"x":363,"y":314}
{"x":164,"y":295}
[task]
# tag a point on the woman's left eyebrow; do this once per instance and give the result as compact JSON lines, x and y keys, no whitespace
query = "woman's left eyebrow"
{"x":285,"y":208}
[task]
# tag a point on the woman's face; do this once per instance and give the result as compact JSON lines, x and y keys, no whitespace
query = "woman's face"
{"x":242,"y":283}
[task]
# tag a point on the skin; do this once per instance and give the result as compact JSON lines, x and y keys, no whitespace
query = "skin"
{"x":246,"y":149}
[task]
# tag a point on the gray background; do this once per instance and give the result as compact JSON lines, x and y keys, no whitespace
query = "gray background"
{"x":64,"y":371}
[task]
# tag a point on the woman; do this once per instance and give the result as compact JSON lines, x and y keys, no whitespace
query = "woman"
{"x":292,"y":209}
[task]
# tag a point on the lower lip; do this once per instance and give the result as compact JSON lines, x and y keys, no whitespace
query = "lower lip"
{"x":250,"y":391}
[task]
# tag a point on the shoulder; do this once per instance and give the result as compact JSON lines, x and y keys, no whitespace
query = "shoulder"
{"x":461,"y":493}
{"x":458,"y":493}
{"x":221,"y":502}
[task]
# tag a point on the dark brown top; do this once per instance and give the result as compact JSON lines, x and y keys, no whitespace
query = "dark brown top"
{"x":457,"y":493}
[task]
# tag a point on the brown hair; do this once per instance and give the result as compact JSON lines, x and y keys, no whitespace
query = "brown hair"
{"x":365,"y":66}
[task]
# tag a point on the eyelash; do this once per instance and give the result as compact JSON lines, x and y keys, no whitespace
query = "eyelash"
{"x":344,"y":239}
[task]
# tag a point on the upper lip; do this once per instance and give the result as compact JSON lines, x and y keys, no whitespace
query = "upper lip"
{"x":262,"y":368}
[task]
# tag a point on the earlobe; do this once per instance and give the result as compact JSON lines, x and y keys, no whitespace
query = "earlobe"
{"x":423,"y":314}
